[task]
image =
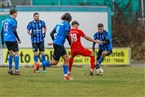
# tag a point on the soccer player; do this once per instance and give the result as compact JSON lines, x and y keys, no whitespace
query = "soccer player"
{"x":10,"y":37}
{"x":35,"y":30}
{"x":77,"y":48}
{"x":105,"y":49}
{"x":59,"y":34}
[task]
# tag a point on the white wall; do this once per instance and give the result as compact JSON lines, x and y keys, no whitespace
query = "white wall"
{"x":88,"y":23}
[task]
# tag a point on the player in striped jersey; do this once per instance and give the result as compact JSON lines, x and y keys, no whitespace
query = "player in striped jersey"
{"x":105,"y":49}
{"x":37,"y":30}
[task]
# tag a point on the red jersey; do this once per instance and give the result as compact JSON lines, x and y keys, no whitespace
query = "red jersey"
{"x":75,"y":37}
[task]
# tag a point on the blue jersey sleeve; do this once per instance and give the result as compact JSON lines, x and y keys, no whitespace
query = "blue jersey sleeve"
{"x":29,"y":27}
{"x":95,"y":36}
{"x":43,"y":24}
{"x":14,"y":24}
{"x":109,"y":37}
{"x":67,"y":27}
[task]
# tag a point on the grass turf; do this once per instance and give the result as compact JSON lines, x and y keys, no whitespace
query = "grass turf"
{"x":116,"y":82}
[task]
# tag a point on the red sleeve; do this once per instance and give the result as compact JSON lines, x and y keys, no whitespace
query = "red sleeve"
{"x":82,"y":33}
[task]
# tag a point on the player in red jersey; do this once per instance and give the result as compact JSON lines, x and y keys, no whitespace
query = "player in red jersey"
{"x":77,"y":48}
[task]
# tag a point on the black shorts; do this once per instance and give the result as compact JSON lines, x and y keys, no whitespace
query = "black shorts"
{"x":100,"y":53}
{"x":37,"y":46}
{"x":12,"y":46}
{"x":58,"y":51}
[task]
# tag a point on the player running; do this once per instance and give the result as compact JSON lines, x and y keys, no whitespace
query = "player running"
{"x":105,"y":49}
{"x":35,"y":30}
{"x":10,"y":37}
{"x":77,"y":48}
{"x":59,"y":35}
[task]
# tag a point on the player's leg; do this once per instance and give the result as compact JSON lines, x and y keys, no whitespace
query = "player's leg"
{"x":56,"y":57}
{"x":41,"y":49}
{"x":87,"y":52}
{"x":73,"y":54}
{"x":35,"y":52}
{"x":65,"y":67}
{"x":103,"y":55}
{"x":11,"y":56}
{"x":16,"y":52}
{"x":70,"y":64}
{"x":97,"y":59}
{"x":92,"y":62}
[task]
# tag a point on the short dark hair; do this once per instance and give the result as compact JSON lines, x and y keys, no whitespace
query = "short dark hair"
{"x":74,"y":22}
{"x":13,"y":11}
{"x":66,"y":17}
{"x":100,"y":25}
{"x":36,"y":13}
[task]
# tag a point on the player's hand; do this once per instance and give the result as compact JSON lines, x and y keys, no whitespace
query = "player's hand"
{"x":50,"y":44}
{"x":2,"y":45}
{"x":29,"y":32}
{"x":44,"y":34}
{"x":99,"y":41}
{"x":93,"y":51}
{"x":19,"y":42}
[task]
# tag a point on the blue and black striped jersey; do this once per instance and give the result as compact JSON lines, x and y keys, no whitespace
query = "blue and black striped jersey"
{"x":104,"y":36}
{"x":36,"y":30}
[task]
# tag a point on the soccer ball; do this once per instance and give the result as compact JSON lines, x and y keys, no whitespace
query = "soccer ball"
{"x":99,"y":71}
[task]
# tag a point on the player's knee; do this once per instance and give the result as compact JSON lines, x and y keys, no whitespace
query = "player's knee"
{"x":92,"y":54}
{"x":103,"y":55}
{"x":66,"y":60}
{"x":53,"y":62}
{"x":16,"y":53}
{"x":42,"y":53}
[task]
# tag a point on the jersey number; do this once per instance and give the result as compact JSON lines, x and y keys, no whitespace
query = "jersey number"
{"x":57,"y":29}
{"x":6,"y":27}
{"x":73,"y":37}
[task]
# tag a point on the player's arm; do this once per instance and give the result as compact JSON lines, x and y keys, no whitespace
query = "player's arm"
{"x":98,"y":41}
{"x":92,"y":40}
{"x":52,"y":34}
{"x":45,"y":30}
{"x":107,"y":39}
{"x":15,"y":32}
{"x":2,"y":38}
{"x":29,"y":27}
{"x":67,"y":37}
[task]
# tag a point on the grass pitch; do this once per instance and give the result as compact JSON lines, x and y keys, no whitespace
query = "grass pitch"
{"x":116,"y":82}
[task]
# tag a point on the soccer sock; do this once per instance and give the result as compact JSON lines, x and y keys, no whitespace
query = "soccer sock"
{"x":46,"y":63}
{"x":43,"y":59}
{"x":16,"y":63}
{"x":35,"y":58}
{"x":99,"y":62}
{"x":65,"y":70}
{"x":10,"y":62}
{"x":70,"y":64}
{"x":92,"y":61}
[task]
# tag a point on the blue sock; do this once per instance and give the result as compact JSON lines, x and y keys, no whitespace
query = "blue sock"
{"x":35,"y":58}
{"x":65,"y":69}
{"x":43,"y":58}
{"x":46,"y":63}
{"x":10,"y":61}
{"x":99,"y":62}
{"x":97,"y":66}
{"x":16,"y":62}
